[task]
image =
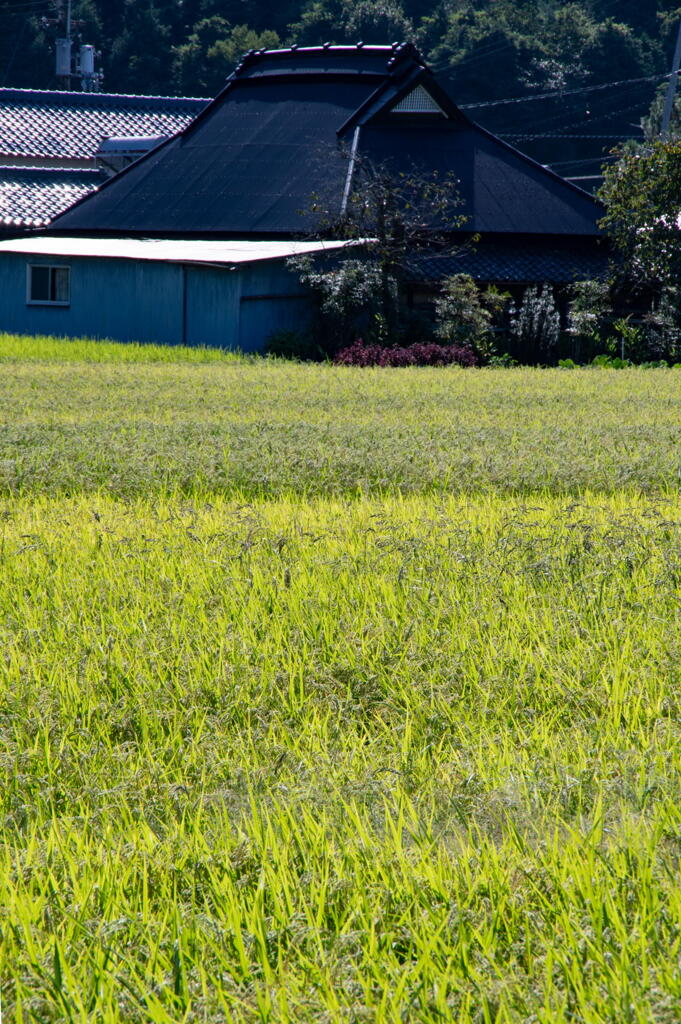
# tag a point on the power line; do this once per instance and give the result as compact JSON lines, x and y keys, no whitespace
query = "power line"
{"x":559,"y":95}
{"x":28,"y":6}
{"x":562,"y":135}
{"x":580,"y":163}
{"x":573,"y":119}
{"x":592,"y":119}
{"x":481,"y":54}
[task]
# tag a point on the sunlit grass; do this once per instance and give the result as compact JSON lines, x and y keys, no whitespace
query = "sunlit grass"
{"x":331,"y":695}
{"x":259,"y":428}
{"x":348,"y":760}
{"x":47,"y":348}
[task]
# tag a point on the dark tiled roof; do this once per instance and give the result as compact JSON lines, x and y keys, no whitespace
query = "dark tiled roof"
{"x":280,"y":133}
{"x":32,"y":196}
{"x":499,"y":261}
{"x":72,"y":124}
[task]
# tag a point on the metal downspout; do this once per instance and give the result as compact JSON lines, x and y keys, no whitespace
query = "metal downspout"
{"x":351,"y":168}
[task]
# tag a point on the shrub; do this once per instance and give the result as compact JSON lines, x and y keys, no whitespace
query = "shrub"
{"x":293,"y":345}
{"x":464,"y":315}
{"x":536,"y":323}
{"x":611,"y":362}
{"x":346,"y":291}
{"x":418,"y":354}
{"x":503,"y":361}
{"x":588,"y":312}
{"x":662,"y":326}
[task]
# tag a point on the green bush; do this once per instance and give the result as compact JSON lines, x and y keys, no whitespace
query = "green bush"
{"x":465,"y":315}
{"x":293,"y":345}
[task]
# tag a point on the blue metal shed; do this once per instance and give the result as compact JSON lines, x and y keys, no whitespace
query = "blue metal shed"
{"x":228,"y":294}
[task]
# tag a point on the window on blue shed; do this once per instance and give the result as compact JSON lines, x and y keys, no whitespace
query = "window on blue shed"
{"x":48,"y":286}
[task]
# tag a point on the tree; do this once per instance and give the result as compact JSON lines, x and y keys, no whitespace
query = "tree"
{"x":402,"y":214}
{"x":377,"y":21}
{"x":347,"y":21}
{"x":139,"y":55}
{"x":202,"y":64}
{"x":642,"y":196}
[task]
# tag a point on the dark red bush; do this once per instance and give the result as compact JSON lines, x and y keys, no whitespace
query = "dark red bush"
{"x":418,"y":354}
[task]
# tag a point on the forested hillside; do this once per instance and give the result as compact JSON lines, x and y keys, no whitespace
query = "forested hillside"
{"x":584,"y":72}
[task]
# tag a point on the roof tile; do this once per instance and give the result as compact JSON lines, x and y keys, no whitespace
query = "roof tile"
{"x":32,"y":196}
{"x":498,"y":261}
{"x":71,"y":124}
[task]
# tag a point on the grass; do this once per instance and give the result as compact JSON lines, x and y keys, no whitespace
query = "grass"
{"x":285,"y":752}
{"x":46,"y":348}
{"x":201,"y":423}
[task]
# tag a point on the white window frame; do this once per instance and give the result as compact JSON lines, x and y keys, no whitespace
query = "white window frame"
{"x":46,"y":266}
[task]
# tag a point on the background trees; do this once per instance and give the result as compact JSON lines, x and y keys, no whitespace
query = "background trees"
{"x":642,"y":193}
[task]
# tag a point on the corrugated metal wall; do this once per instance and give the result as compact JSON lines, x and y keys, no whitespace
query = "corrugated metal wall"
{"x":168,"y":303}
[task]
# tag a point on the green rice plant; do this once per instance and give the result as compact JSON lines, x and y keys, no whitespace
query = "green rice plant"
{"x":254,"y":428}
{"x":47,"y":348}
{"x":349,"y":759}
{"x":331,"y":695}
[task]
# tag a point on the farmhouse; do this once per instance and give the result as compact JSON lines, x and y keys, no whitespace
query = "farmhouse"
{"x":289,"y":125}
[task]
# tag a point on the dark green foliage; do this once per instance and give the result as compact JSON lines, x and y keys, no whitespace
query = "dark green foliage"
{"x":535,"y":323}
{"x":211,"y":51}
{"x":642,"y":194}
{"x":465,"y":315}
{"x":588,"y":319}
{"x":293,"y":345}
{"x":348,"y":298}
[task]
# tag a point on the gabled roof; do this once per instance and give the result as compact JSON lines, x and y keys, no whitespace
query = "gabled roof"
{"x":279,"y":137}
{"x":31,"y":196}
{"x":71,"y":124}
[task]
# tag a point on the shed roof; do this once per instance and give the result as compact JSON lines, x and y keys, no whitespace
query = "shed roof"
{"x":50,"y":124}
{"x":166,"y":250}
{"x":32,"y":196}
{"x":280,"y":133}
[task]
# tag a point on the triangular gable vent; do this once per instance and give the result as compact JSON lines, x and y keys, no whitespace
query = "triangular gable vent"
{"x":418,"y":101}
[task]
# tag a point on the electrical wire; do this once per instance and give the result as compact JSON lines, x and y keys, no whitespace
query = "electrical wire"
{"x":557,"y":94}
{"x":488,"y":50}
{"x":580,"y":163}
{"x":563,"y":135}
{"x":28,"y":6}
{"x":582,"y":121}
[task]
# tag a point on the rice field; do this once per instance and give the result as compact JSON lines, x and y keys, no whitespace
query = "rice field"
{"x":81,"y":417}
{"x":348,"y":729}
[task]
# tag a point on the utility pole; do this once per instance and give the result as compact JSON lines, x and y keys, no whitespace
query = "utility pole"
{"x":85,"y":63}
{"x":64,"y":60}
{"x":671,"y":91}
